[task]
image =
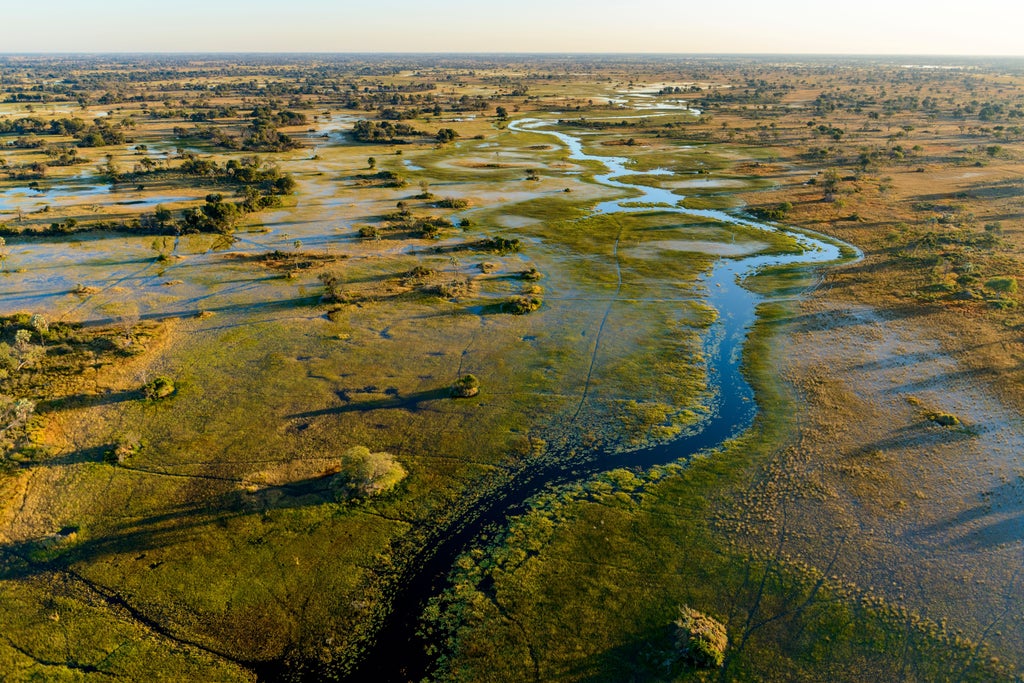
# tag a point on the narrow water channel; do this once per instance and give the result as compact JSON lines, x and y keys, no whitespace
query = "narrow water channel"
{"x":397,"y":653}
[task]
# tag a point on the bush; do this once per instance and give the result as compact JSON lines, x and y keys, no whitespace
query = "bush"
{"x":448,"y":290}
{"x":367,"y":474}
{"x":1006,"y":285}
{"x":161,"y":387}
{"x":122,"y":452}
{"x":521,"y":305}
{"x":498,"y":245}
{"x":944,"y":419}
{"x":369,"y":232}
{"x":700,"y":639}
{"x":466,"y":386}
{"x":451,"y":203}
{"x":419,"y":272}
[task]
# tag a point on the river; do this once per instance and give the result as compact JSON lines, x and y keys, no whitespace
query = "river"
{"x":397,"y":653}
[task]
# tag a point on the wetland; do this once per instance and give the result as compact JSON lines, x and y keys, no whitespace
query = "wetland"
{"x":479,"y":369}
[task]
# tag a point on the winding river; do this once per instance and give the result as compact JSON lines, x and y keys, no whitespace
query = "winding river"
{"x":397,"y":653}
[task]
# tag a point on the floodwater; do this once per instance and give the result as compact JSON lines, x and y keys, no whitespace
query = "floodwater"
{"x":398,"y":653}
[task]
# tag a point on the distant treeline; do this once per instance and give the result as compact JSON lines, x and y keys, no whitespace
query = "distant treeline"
{"x":97,"y":134}
{"x":261,"y":135}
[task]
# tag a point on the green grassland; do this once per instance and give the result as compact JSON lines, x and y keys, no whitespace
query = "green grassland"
{"x":221,"y":530}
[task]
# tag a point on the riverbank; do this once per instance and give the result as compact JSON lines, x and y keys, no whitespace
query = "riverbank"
{"x":587,"y":584}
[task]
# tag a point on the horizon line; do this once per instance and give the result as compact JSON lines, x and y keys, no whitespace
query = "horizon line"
{"x":507,"y":53}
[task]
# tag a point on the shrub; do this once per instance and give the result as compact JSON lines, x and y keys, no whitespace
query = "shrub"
{"x":419,"y":272}
{"x":521,"y":305}
{"x":944,"y":419}
{"x":498,"y":245}
{"x":466,"y":386}
{"x":700,"y":639}
{"x":369,"y":232}
{"x":451,"y":203}
{"x":448,"y":290}
{"x":161,"y":387}
{"x":367,"y":474}
{"x":1007,"y":285}
{"x":122,"y":452}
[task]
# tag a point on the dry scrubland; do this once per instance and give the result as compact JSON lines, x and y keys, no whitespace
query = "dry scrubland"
{"x":242,"y":299}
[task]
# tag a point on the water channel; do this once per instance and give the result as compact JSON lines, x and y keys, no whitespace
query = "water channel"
{"x":398,"y":653}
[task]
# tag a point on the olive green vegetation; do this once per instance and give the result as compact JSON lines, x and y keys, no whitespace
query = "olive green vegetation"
{"x":57,"y":629}
{"x":45,"y":366}
{"x":711,"y":201}
{"x":700,"y":639}
{"x":213,"y":501}
{"x":588,"y":585}
{"x":248,"y":492}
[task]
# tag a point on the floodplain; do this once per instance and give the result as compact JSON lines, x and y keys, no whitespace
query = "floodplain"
{"x":470,"y":369}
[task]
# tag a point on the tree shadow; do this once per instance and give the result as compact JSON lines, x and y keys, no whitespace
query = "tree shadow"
{"x":254,"y":306}
{"x":176,"y":524}
{"x":940,"y":380}
{"x":75,"y":401}
{"x":411,"y":403}
{"x":921,"y":434}
{"x":997,"y":520}
{"x":839,"y":319}
{"x":648,"y":656}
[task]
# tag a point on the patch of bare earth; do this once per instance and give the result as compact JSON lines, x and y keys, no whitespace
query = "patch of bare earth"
{"x":927,"y":516}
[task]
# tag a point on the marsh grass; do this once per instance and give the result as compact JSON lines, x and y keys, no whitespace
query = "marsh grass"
{"x":587,"y":584}
{"x":222,"y":527}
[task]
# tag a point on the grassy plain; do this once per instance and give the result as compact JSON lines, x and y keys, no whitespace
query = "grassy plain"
{"x":219,"y":546}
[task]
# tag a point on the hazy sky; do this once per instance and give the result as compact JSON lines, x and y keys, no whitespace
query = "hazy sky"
{"x":983,"y":27}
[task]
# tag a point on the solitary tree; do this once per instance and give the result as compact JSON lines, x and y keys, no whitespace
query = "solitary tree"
{"x":466,"y":386}
{"x":446,"y":135}
{"x":40,"y":325}
{"x":700,"y":639}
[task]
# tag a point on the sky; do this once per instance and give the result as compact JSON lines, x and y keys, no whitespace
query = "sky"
{"x":936,"y":27}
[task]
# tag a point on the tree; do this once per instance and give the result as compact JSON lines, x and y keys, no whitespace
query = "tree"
{"x":502,"y":113}
{"x":366,"y":474}
{"x":830,"y":183}
{"x":700,"y":639}
{"x":160,"y":387}
{"x":372,"y":163}
{"x":25,"y":352}
{"x":466,"y":386}
{"x":111,"y":169}
{"x":163,"y":215}
{"x":39,"y":323}
{"x":446,"y":135}
{"x":14,"y":414}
